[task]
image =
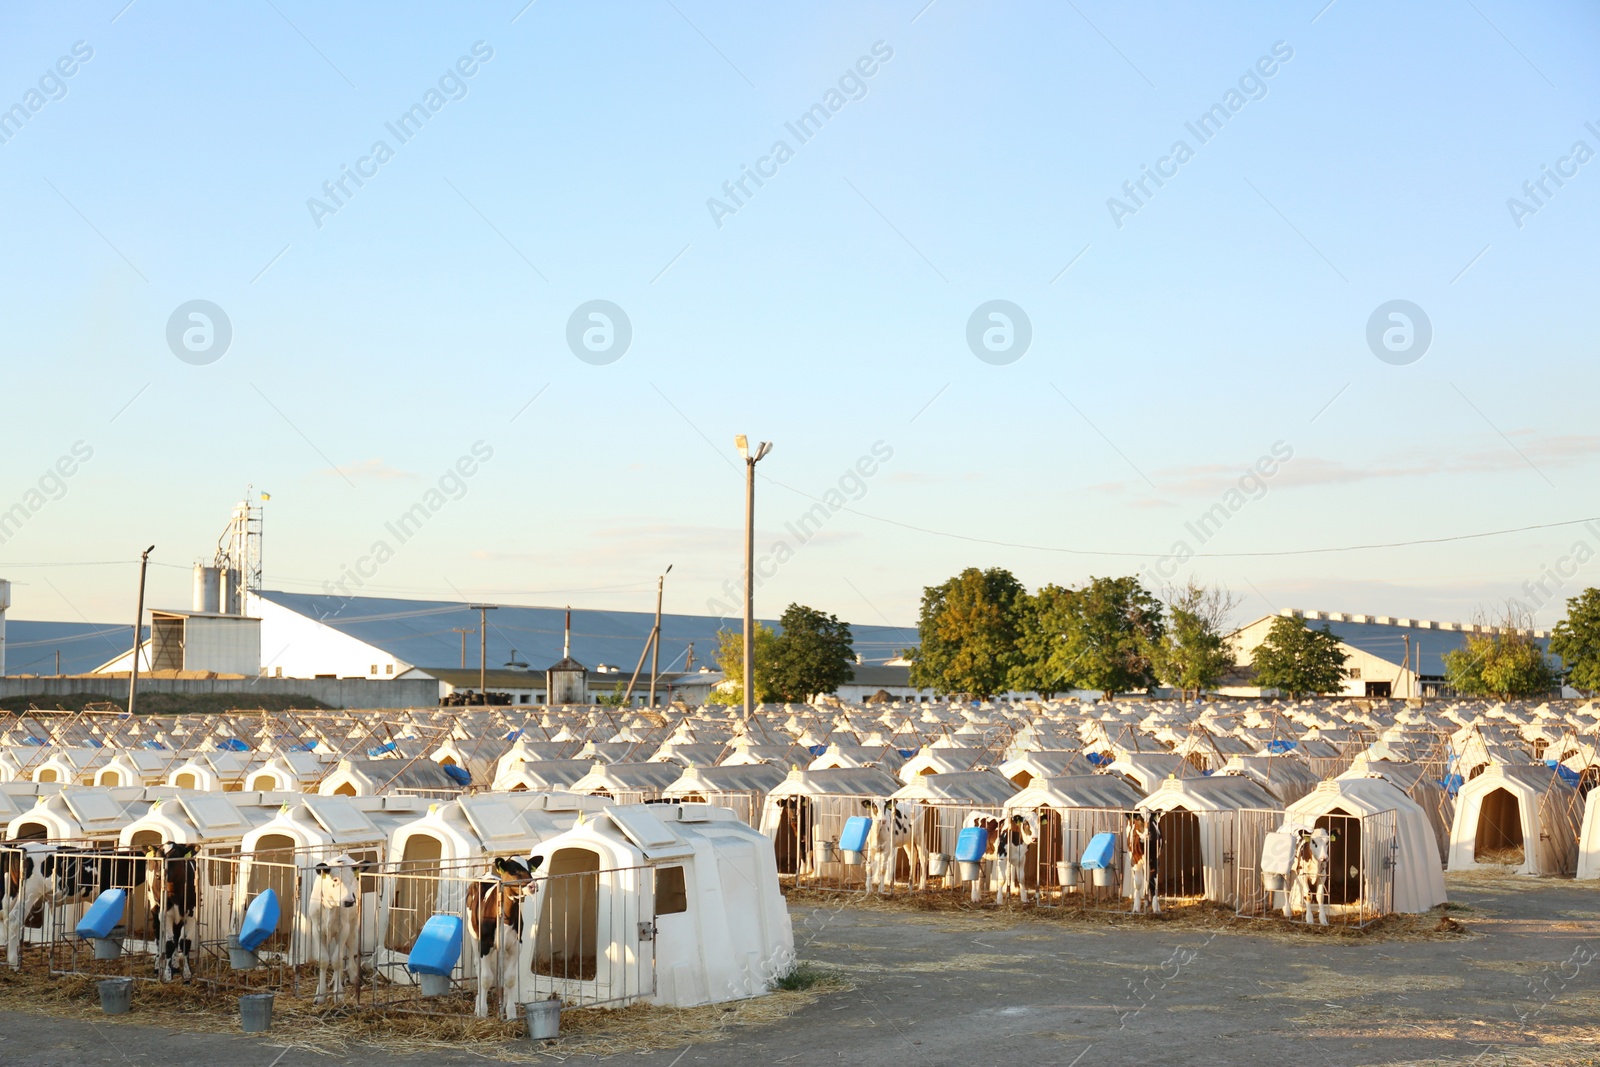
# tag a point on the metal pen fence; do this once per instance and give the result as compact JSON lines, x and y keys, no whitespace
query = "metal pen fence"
{"x":1201,"y":858}
{"x":582,"y":933}
{"x":1351,"y":884}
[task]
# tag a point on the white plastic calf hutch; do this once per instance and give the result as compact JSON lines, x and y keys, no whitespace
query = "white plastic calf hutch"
{"x":805,"y":813}
{"x":216,"y":772}
{"x":1382,"y":855}
{"x":432,"y":859}
{"x":741,"y":789}
{"x":290,"y":772}
{"x":673,"y":904}
{"x":86,"y":813}
{"x":1523,"y":817}
{"x":371,"y":777}
{"x":1589,"y":837}
{"x":282,"y":854}
{"x":136,"y":766}
{"x":1211,"y":827}
{"x":1070,"y":810}
{"x":541,"y":776}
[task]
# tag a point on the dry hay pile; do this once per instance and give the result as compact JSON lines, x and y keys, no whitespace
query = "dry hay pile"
{"x":954,"y":907}
{"x":298,"y":1023}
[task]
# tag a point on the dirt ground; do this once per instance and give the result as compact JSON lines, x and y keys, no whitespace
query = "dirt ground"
{"x":1519,"y":983}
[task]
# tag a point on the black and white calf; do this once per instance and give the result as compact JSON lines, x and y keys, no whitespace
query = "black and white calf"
{"x":1015,"y":835}
{"x":897,"y":826}
{"x":24,"y":889}
{"x":174,"y":877}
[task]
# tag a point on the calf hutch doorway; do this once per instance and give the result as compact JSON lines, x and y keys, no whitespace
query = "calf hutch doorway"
{"x":568,"y":943}
{"x":1499,"y":838}
{"x":416,"y":894}
{"x":1180,"y":866}
{"x":273,"y":868}
{"x":791,"y":844}
{"x":1344,"y":856}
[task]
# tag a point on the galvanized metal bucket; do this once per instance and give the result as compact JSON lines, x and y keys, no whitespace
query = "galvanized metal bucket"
{"x":255,"y":1012}
{"x":116,"y":995}
{"x":1103,"y":876}
{"x":434,"y":985}
{"x":544,"y":1019}
{"x":1068,"y":873}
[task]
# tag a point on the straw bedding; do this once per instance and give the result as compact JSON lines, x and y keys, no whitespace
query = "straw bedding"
{"x":332,"y":1030}
{"x":953,"y":909}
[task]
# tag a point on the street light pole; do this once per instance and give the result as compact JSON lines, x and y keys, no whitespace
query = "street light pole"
{"x":138,"y":625}
{"x":750,"y":461}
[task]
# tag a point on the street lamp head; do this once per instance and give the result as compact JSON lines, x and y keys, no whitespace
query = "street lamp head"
{"x":742,"y":443}
{"x":667,"y":571}
{"x":762,"y":449}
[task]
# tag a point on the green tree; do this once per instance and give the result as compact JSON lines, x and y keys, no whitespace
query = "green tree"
{"x":1576,"y":639}
{"x":1506,"y":664}
{"x":814,"y":654}
{"x":1194,"y":653}
{"x":617,"y":698}
{"x":730,"y":660}
{"x":1297,"y":660}
{"x":969,"y":630}
{"x":1042,"y":664}
{"x":1113,"y":627}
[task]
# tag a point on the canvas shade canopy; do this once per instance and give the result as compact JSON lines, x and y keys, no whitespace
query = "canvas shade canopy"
{"x":1418,"y":877}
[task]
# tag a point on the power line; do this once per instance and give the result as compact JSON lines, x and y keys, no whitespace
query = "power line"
{"x":1197,"y":555}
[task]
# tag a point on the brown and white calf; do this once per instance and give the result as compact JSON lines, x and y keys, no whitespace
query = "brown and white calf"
{"x":494,"y":922}
{"x":1309,"y":888}
{"x":1141,"y":839}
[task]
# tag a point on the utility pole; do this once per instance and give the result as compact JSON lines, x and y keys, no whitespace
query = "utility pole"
{"x":138,"y":626}
{"x":463,"y":631}
{"x":750,"y":461}
{"x":655,"y":635}
{"x":483,"y":647}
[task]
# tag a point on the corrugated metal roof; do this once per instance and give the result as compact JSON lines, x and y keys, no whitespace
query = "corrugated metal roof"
{"x":31,"y":646}
{"x":1388,"y":642}
{"x":420,"y":632}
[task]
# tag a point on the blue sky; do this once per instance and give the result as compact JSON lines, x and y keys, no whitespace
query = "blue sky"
{"x":1226,"y":317}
